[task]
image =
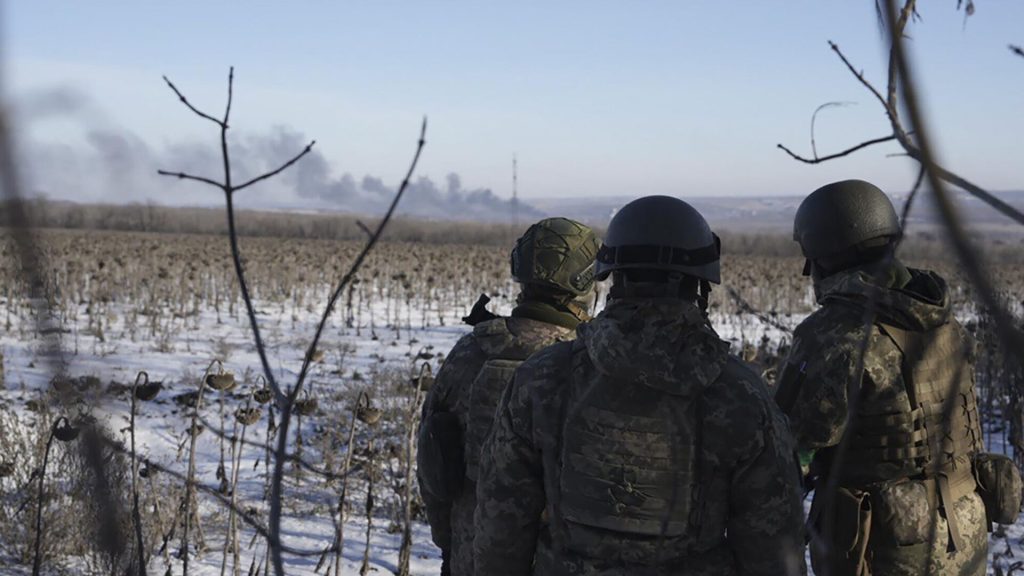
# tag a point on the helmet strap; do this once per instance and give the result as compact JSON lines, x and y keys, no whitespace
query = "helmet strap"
{"x":675,"y":285}
{"x":703,"y":297}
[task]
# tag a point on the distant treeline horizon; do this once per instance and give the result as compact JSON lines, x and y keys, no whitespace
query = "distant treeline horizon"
{"x":923,"y":242}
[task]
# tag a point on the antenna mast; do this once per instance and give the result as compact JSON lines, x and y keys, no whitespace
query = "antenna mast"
{"x":515,"y":193}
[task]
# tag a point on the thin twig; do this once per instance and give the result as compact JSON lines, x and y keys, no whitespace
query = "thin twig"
{"x":749,"y":309}
{"x":184,"y":176}
{"x":136,"y":515}
{"x":327,"y":475}
{"x":846,"y":152}
{"x":188,"y":104}
{"x":859,"y":74}
{"x":246,"y":517}
{"x":366,"y":230}
{"x":814,"y":117}
{"x":278,"y":170}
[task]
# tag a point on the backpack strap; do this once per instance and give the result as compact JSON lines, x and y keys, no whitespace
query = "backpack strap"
{"x":947,"y":484}
{"x":567,"y":376}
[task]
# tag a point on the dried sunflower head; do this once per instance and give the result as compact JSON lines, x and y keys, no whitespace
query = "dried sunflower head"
{"x":263,"y":395}
{"x":306,"y":407}
{"x":221,"y":382}
{"x":148,"y":391}
{"x":65,"y":432}
{"x":248,"y":416}
{"x":368,"y":414}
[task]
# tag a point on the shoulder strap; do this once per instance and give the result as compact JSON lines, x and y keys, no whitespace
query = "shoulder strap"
{"x":567,"y":375}
{"x":910,"y":345}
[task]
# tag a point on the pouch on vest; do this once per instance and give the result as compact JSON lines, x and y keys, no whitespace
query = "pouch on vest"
{"x":441,"y":452}
{"x":999,"y":485}
{"x":850,"y":534}
{"x":903,"y":512}
{"x":484,"y":396}
{"x":629,"y":463}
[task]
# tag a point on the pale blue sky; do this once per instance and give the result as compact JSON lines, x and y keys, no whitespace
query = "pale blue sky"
{"x":596,"y":98}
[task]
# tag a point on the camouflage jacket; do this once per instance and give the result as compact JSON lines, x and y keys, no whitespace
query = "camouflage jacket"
{"x":452,"y":522}
{"x":826,"y":347}
{"x":907,"y":530}
{"x":745,"y":515}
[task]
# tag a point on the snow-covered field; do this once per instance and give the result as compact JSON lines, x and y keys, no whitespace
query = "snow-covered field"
{"x":355,"y":358}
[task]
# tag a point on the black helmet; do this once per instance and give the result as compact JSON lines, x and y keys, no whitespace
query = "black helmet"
{"x":556,"y":253}
{"x":660,"y":233}
{"x":838,"y":219}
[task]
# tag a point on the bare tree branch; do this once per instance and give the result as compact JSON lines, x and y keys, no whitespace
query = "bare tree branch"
{"x":364,"y":228}
{"x":749,"y":309}
{"x":901,"y":25}
{"x":228,"y":190}
{"x":859,"y":74}
{"x":966,"y":252}
{"x":846,"y":152}
{"x":188,"y":104}
{"x":231,"y":95}
{"x":286,"y":412}
{"x":252,"y":521}
{"x":184,"y":176}
{"x":972,"y":189}
{"x":273,"y":173}
{"x":889,"y":105}
{"x":327,"y":475}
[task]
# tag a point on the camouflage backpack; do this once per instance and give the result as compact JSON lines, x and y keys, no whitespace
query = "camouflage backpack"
{"x":626,"y":459}
{"x":505,"y":351}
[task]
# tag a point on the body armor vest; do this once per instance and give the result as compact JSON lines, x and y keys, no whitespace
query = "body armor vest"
{"x":628,"y":455}
{"x":505,"y":351}
{"x":914,"y":443}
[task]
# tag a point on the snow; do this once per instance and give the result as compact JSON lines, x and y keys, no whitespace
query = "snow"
{"x":179,"y":358}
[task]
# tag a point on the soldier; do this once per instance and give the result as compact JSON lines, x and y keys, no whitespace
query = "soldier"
{"x":554,"y":265}
{"x":643,"y":447}
{"x":906,"y":502}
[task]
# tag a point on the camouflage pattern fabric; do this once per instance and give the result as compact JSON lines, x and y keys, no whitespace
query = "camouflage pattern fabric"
{"x":825,"y":351}
{"x":746,"y":513}
{"x":451,"y":523}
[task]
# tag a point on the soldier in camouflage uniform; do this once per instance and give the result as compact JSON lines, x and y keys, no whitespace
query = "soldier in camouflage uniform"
{"x":554,"y":264}
{"x":906,"y":503}
{"x":643,"y":447}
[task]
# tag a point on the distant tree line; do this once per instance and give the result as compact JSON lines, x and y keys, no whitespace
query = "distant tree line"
{"x":924,"y":244}
{"x":152,"y":217}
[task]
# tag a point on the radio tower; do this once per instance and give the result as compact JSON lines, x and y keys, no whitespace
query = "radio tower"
{"x":515,"y":194}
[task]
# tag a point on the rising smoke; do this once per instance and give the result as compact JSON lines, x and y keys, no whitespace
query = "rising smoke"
{"x":114,"y":165}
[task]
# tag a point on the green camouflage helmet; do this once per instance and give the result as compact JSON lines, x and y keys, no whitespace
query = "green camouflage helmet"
{"x":556,"y":253}
{"x":843,"y":216}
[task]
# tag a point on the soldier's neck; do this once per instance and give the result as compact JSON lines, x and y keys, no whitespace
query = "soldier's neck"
{"x":548,"y":312}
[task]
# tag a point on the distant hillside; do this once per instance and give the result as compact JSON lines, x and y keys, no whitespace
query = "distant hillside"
{"x":776,"y":213}
{"x":747,"y":216}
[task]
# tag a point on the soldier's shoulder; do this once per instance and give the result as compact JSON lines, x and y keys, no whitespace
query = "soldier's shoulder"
{"x":830,"y":326}
{"x":550,"y":361}
{"x":739,"y":411}
{"x":466,"y":355}
{"x":740,"y":391}
{"x":466,"y":346}
{"x":539,"y":332}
